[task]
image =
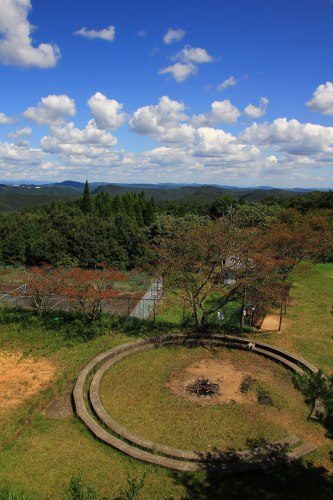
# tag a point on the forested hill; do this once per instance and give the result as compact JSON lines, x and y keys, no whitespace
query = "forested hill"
{"x":118,"y":229}
{"x":22,"y":196}
{"x":195,"y":194}
{"x":82,"y":232}
{"x":18,"y":197}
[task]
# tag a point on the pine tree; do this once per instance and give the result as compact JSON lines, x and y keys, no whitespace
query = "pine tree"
{"x":149,"y":212}
{"x":86,"y":205}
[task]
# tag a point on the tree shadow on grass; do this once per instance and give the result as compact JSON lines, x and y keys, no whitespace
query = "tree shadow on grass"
{"x":293,"y":481}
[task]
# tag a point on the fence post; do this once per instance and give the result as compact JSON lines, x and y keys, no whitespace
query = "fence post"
{"x":243,"y":308}
{"x":280,"y":321}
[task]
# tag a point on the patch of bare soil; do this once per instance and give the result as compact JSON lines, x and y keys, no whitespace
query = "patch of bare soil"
{"x":22,"y":377}
{"x":222,"y":373}
{"x":270,"y":322}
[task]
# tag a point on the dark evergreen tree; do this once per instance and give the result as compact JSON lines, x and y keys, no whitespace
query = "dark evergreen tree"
{"x":86,"y":205}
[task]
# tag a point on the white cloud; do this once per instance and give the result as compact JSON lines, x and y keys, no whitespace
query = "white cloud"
{"x":229,"y":82}
{"x":6,"y":120}
{"x":257,"y":111}
{"x":106,"y":112}
{"x":163,"y":121}
{"x":51,"y":110}
{"x":14,"y":154}
{"x":221,"y":112}
{"x":179,"y":71}
{"x":185,"y":145}
{"x":181,"y":134}
{"x":187,"y":65}
{"x":172,"y":36}
{"x":20,"y":132}
{"x":167,"y":113}
{"x":71,"y":140}
{"x":292,"y":137}
{"x":215,"y":142}
{"x":193,"y":55}
{"x":322,"y":100}
{"x":15,"y":41}
{"x":107,"y":34}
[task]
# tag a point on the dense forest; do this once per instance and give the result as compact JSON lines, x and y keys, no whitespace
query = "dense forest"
{"x":82,"y":232}
{"x":118,"y":229}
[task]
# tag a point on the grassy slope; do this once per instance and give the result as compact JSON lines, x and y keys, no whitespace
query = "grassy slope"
{"x":45,"y":452}
{"x":41,"y":454}
{"x":308,"y":327}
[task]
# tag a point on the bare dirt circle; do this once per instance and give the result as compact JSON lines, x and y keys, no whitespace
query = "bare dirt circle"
{"x":222,"y":373}
{"x":21,"y":377}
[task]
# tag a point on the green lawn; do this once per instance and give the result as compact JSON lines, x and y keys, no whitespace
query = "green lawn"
{"x":40,"y":454}
{"x":308,"y":327}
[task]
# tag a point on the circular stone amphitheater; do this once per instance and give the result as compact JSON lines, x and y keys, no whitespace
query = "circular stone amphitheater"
{"x":92,"y":412}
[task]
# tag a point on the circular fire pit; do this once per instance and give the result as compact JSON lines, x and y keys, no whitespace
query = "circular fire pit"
{"x":89,"y":406}
{"x":203,"y":387}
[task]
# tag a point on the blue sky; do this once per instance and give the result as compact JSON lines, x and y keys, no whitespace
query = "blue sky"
{"x":234,"y":92}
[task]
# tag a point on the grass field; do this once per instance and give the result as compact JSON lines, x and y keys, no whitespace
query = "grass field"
{"x":39,"y":454}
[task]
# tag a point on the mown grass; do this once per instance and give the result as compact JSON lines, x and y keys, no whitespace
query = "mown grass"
{"x":39,"y":455}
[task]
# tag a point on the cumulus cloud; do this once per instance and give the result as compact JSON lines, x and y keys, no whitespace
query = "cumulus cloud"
{"x":322,"y":100}
{"x":172,"y":36}
{"x":107,"y":34}
{"x":14,"y":154}
{"x":187,"y":63}
{"x":229,"y":82}
{"x":292,"y":137}
{"x":163,"y":121}
{"x":51,"y":110}
{"x":193,"y":55}
{"x":183,"y":143}
{"x":180,"y":71}
{"x":216,"y":142}
{"x":20,"y":132}
{"x":6,"y":120}
{"x":68,"y":139}
{"x":16,"y":45}
{"x":167,"y":113}
{"x":106,"y":112}
{"x":221,"y":112}
{"x":257,"y":111}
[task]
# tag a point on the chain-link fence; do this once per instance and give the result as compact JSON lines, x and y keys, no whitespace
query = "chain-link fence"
{"x":146,"y":307}
{"x":125,"y":304}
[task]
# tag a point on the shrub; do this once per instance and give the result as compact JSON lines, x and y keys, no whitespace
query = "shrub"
{"x":77,"y":490}
{"x":131,"y":490}
{"x":317,"y":386}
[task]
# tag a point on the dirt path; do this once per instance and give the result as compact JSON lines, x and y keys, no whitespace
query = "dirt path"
{"x":21,"y":377}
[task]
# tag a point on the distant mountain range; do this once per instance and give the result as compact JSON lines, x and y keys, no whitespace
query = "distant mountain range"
{"x":17,"y":195}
